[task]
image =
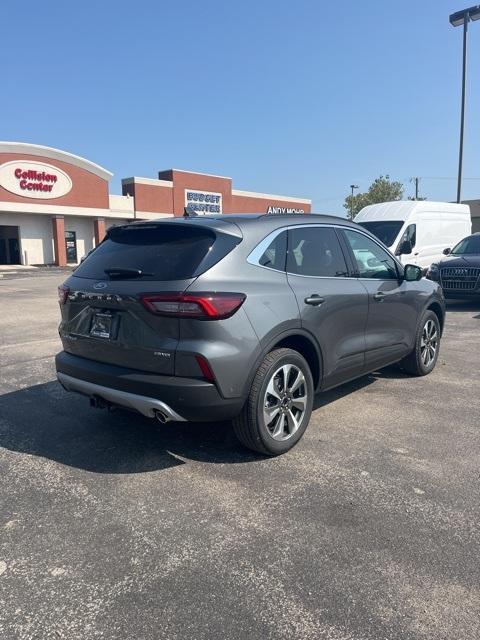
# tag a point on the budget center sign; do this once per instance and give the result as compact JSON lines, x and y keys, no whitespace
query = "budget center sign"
{"x":203,"y":202}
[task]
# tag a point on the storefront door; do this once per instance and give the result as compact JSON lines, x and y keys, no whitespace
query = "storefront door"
{"x":71,"y":246}
{"x":14,"y":250}
{"x":9,"y":245}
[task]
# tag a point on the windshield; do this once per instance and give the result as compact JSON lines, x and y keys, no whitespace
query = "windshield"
{"x":385,"y":230}
{"x":467,"y":245}
{"x":163,"y":252}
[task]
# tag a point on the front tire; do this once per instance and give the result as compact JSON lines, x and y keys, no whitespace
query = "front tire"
{"x":279,"y":405}
{"x":423,"y":357}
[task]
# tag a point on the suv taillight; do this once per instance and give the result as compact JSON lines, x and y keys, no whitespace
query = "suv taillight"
{"x":63,"y":292}
{"x":202,"y":306}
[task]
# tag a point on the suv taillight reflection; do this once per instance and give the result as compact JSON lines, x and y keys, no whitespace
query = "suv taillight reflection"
{"x":202,"y":306}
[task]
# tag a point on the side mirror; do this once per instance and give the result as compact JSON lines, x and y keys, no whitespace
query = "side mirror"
{"x":412,"y":273}
{"x":446,"y":251}
{"x":404,"y":248}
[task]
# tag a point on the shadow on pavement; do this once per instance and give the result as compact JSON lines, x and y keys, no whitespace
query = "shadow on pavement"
{"x":46,"y":421}
{"x":463,"y":306}
{"x":327,"y":397}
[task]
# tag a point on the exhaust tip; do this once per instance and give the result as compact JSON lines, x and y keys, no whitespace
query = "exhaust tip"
{"x":98,"y":403}
{"x":161,"y":416}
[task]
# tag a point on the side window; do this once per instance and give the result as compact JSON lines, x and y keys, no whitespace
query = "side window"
{"x":410,"y":234}
{"x":372,"y":261}
{"x":315,"y":251}
{"x":275,"y":255}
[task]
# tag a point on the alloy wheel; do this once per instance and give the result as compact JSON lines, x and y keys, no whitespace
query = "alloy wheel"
{"x":429,"y":343}
{"x":285,"y":402}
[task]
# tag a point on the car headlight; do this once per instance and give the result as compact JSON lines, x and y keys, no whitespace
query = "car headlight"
{"x":433,"y":272}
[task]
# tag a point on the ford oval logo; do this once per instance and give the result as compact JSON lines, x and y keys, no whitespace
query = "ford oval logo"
{"x":100,"y":285}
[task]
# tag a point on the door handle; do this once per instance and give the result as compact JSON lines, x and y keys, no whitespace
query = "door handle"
{"x":379,"y":296}
{"x":314,"y":300}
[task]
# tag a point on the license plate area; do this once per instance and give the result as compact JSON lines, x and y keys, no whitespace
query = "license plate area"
{"x":104,"y":325}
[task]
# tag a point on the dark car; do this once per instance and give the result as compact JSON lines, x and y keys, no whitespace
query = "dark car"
{"x":459,"y":272}
{"x":241,"y":317}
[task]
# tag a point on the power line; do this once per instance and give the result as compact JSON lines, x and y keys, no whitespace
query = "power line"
{"x":440,"y":178}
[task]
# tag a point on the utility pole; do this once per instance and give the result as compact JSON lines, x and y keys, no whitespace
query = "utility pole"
{"x":417,"y":182}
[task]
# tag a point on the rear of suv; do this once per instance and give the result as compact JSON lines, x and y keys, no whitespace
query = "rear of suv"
{"x":242,"y":318}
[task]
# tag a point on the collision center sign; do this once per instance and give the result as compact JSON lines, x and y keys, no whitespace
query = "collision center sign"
{"x":34,"y":179}
{"x":203,"y":202}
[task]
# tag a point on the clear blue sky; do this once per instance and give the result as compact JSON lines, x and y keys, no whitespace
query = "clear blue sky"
{"x":300,"y":98}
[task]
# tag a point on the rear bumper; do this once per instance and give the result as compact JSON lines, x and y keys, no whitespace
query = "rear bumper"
{"x":183,"y":399}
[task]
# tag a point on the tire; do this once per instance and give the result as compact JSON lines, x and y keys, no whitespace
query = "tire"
{"x":423,"y":357}
{"x":289,"y":408}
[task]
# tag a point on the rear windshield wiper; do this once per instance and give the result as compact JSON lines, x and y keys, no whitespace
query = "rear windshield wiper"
{"x":126,"y":273}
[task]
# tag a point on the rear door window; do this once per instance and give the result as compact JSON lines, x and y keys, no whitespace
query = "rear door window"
{"x":275,"y":255}
{"x":162,"y":252}
{"x":315,"y":251}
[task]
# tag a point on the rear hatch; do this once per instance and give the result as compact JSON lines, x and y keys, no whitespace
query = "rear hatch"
{"x":103,"y":316}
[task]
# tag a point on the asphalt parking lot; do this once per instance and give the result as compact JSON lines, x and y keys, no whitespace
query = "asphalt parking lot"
{"x":113,"y":526}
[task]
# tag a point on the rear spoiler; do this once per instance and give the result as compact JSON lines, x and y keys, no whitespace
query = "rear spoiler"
{"x":209,"y":222}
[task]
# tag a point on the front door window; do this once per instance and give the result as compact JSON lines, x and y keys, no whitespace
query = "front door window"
{"x":372,"y":261}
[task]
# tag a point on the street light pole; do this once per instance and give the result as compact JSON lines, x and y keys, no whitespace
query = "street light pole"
{"x":352,"y":187}
{"x":457,"y":19}
{"x":466,"y":20}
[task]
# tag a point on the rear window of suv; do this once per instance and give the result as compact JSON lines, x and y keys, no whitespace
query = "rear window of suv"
{"x":163,"y":252}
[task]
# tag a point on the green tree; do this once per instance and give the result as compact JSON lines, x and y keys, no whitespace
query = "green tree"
{"x":381,"y":190}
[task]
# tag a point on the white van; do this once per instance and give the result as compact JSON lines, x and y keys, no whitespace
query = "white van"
{"x":417,"y":231}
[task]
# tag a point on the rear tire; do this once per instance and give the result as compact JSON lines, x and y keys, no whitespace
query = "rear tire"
{"x":279,"y":405}
{"x":423,"y":357}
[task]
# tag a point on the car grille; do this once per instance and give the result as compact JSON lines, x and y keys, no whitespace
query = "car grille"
{"x":459,"y":278}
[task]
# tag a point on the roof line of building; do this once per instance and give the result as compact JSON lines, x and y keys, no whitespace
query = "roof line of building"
{"x":55,"y":154}
{"x":149,"y":181}
{"x":269,"y":196}
{"x":196,"y":173}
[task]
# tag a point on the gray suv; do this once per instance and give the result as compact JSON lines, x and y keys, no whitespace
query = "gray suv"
{"x":241,"y":317}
